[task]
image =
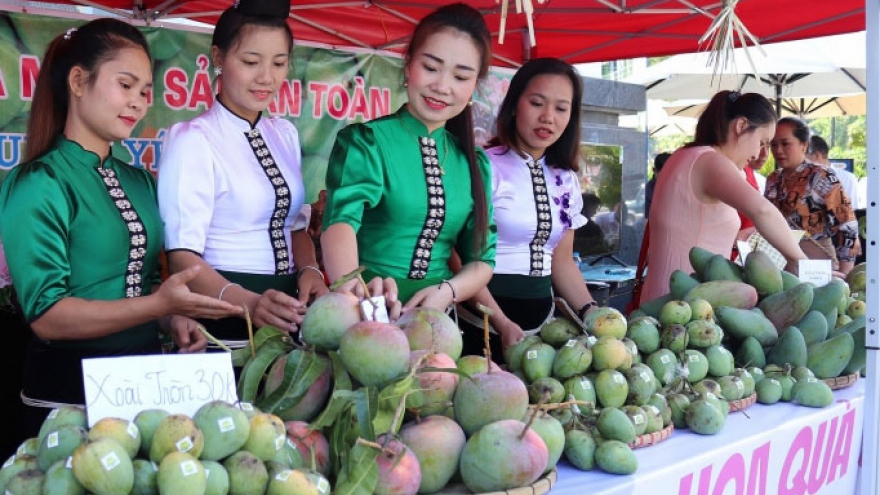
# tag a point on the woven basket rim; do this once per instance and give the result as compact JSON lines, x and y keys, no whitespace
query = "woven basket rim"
{"x":744,"y":403}
{"x":543,"y":485}
{"x":649,"y":439}
{"x":842,"y":381}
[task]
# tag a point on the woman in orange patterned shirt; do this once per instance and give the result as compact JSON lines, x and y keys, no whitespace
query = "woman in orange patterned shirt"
{"x":810,"y":196}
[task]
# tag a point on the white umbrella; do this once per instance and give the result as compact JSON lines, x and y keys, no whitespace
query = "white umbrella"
{"x":805,"y":108}
{"x":830,"y":66}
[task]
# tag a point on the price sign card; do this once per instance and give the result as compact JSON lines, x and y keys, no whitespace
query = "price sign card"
{"x":121,"y":387}
{"x":817,"y":272}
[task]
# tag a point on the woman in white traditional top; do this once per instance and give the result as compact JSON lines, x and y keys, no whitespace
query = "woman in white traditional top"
{"x":230,"y":183}
{"x":537,"y":200}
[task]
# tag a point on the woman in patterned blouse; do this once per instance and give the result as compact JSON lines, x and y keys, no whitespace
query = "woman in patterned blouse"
{"x":810,"y":196}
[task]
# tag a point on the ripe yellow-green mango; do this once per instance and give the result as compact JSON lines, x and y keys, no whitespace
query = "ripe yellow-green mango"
{"x":857,"y":278}
{"x":852,"y":326}
{"x":786,"y":308}
{"x":828,"y":359}
{"x":761,"y":272}
{"x":725,"y":293}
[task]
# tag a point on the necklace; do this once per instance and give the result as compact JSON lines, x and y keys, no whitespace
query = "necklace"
{"x":422,"y":141}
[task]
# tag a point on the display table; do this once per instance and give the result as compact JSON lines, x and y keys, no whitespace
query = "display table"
{"x":782,"y":449}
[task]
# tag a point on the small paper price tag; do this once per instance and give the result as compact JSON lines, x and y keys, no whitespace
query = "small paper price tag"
{"x":373,"y":309}
{"x":817,"y":272}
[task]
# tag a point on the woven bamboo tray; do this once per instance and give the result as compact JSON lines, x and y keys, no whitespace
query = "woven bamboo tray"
{"x":744,"y":403}
{"x":651,"y":438}
{"x":540,"y":487}
{"x":844,"y":381}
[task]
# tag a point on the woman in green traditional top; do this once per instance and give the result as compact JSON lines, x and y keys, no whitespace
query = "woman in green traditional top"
{"x":81,"y":229}
{"x":407,"y":189}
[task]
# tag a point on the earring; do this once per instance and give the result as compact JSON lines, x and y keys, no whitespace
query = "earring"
{"x":218,"y":71}
{"x":470,"y":103}
{"x":405,"y":84}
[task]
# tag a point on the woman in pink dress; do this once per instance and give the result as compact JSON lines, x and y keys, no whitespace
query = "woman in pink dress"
{"x":702,"y":186}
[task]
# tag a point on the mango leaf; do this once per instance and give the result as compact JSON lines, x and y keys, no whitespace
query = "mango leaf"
{"x":366,"y":405}
{"x":390,"y":398}
{"x":338,"y":436}
{"x":339,"y":402}
{"x":455,"y":371}
{"x":253,"y":372}
{"x":360,"y":473}
{"x":341,"y":378}
{"x":301,"y":370}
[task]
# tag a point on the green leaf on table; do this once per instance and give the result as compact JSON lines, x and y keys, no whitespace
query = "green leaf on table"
{"x":255,"y":369}
{"x":360,"y":473}
{"x":366,"y":405}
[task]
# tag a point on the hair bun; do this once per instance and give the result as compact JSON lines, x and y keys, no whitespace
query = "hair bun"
{"x":268,"y":8}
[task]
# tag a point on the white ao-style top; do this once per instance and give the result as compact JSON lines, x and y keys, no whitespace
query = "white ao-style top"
{"x":531,"y":221}
{"x":216,"y":197}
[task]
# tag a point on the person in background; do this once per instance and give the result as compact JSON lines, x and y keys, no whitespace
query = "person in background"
{"x":537,"y":199}
{"x":753,"y":170}
{"x":81,"y":229}
{"x":230,"y":183}
{"x":703,"y":186}
{"x":659,"y":161}
{"x":810,"y":196}
{"x":405,"y":190}
{"x":818,"y":153}
{"x":589,"y":238}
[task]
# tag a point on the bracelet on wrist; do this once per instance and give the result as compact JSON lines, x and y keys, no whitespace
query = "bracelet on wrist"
{"x":586,"y":307}
{"x":230,"y":284}
{"x":310,"y":267}
{"x":451,"y":287}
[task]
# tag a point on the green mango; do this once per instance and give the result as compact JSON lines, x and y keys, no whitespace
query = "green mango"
{"x":769,"y":391}
{"x":787,"y":307}
{"x":558,"y":331}
{"x":704,"y":417}
{"x":761,"y":272}
{"x":664,"y":364}
{"x":640,"y":385}
{"x":789,"y":280}
{"x":637,"y":416}
{"x":616,"y":458}
{"x":645,"y":333}
{"x":743,"y":323}
{"x":855,"y":324}
{"x":859,"y":357}
{"x":791,"y":348}
{"x":678,"y":404}
{"x":812,"y":393}
{"x":580,"y":449}
{"x":725,"y":293}
{"x":827,"y":359}
{"x":699,"y":259}
{"x":813,"y":326}
{"x":653,"y":418}
{"x":702,"y":334}
{"x":680,"y":283}
{"x":572,"y":359}
{"x":857,"y":278}
{"x":732,"y":387}
{"x":547,"y":390}
{"x":831,"y":321}
{"x":611,"y":388}
{"x":720,"y":360}
{"x":750,"y":353}
{"x":614,"y":424}
{"x":537,"y":361}
{"x":653,"y":307}
{"x":513,"y":355}
{"x":829,"y":295}
{"x":747,"y":379}
{"x":697,"y":365}
{"x":580,"y":388}
{"x":721,"y":268}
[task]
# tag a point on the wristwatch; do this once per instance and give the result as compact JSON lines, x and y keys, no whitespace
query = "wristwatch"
{"x":586,"y":307}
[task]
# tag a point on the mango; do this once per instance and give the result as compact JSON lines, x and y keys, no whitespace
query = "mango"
{"x":558,"y":331}
{"x":789,"y":280}
{"x":431,"y":329}
{"x":616,"y":458}
{"x":225,"y":427}
{"x":640,"y":385}
{"x":606,"y":321}
{"x":721,"y":361}
{"x":791,"y":348}
{"x":16,"y":464}
{"x":813,"y":326}
{"x":538,"y":361}
{"x":60,"y":444}
{"x":437,"y":442}
{"x":856,"y":308}
{"x":547,"y":390}
{"x":829,"y":295}
{"x":67,"y":414}
{"x":704,"y":418}
{"x":580,"y":388}
{"x":103,"y":467}
{"x":652,"y":307}
{"x":637,"y":417}
{"x":513,"y":354}
{"x":831,"y":320}
{"x":703,"y":333}
{"x":721,"y":268}
{"x":550,"y":430}
{"x":176,"y":433}
{"x":697,"y":365}
{"x":664,"y":364}
{"x":747,"y":379}
{"x":829,"y":358}
{"x":678,"y":404}
{"x":612,"y":388}
{"x":59,"y":480}
{"x":857,"y":323}
{"x":812,"y":393}
{"x":580,"y":449}
{"x":680,"y":283}
{"x":761,"y":272}
{"x":725,"y":293}
{"x":788,"y":307}
{"x":699,"y":258}
{"x":732,"y":387}
{"x":645,"y":334}
{"x":27,"y":482}
{"x":180,"y":472}
{"x":653,"y":418}
{"x":857,"y":277}
{"x":489,"y":397}
{"x":327,"y":318}
{"x":502,"y":455}
{"x":614,"y":424}
{"x":750,"y":353}
{"x":216,"y":478}
{"x":247,"y":473}
{"x":147,"y":421}
{"x":743,"y":323}
{"x":375,"y":353}
{"x":701,"y":310}
{"x":572,"y":359}
{"x":859,"y":358}
{"x":675,"y":312}
{"x":769,"y":391}
{"x":674,"y":337}
{"x":609,"y":353}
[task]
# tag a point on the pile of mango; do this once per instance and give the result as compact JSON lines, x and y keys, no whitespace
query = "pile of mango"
{"x":767,"y":317}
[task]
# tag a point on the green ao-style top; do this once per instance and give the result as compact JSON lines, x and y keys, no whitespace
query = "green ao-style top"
{"x":409,"y":202}
{"x":64,"y":235}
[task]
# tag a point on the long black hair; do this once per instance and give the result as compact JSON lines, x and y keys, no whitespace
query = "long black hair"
{"x":88,"y":46}
{"x":466,"y":19}
{"x":727,"y":106}
{"x":563,"y":153}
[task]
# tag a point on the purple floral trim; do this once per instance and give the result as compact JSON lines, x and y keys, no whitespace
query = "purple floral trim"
{"x":564,"y":202}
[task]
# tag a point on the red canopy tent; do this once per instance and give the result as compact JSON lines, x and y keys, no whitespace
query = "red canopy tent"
{"x":574,"y":30}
